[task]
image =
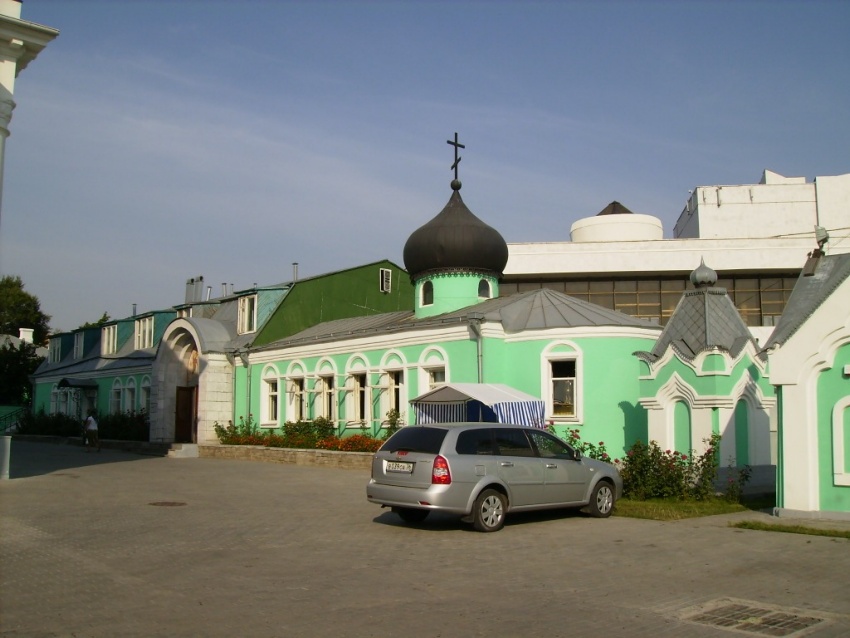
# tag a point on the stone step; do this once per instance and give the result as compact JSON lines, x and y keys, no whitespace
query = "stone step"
{"x":183,"y":451}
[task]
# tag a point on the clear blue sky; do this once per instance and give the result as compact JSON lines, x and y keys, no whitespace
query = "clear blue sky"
{"x":155,"y":141}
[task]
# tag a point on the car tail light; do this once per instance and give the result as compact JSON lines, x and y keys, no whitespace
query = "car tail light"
{"x":440,"y":474}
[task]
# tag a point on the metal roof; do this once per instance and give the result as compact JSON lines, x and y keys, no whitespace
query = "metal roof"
{"x":704,"y":319}
{"x":808,"y":295}
{"x":532,"y":310}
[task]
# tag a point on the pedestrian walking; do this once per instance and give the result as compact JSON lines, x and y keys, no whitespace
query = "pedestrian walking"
{"x":92,"y":439}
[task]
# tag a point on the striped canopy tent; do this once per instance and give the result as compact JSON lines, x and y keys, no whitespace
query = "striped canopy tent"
{"x":486,"y":402}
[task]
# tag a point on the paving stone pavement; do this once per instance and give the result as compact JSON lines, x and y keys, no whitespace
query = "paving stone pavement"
{"x":116,"y":544}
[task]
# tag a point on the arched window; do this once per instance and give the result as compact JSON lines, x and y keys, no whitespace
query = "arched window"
{"x":271,"y":404}
{"x":427,"y":293}
{"x":130,"y":396}
{"x":115,"y":398}
{"x":145,"y":395}
{"x":484,"y":289}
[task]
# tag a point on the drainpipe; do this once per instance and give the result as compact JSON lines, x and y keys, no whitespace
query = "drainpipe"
{"x":243,"y":356}
{"x":475,"y":319}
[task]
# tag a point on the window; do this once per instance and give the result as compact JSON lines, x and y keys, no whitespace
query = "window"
{"x":145,"y":395}
{"x":54,"y":399}
{"x":359,"y":402}
{"x":512,"y":443}
{"x":550,"y":447}
{"x":247,"y":314}
{"x":271,"y":412}
{"x":563,"y":378}
{"x":79,"y":342}
{"x":484,"y":289}
{"x":115,"y":398}
{"x":478,"y":442}
{"x":54,"y":351}
{"x":144,"y":333}
{"x":394,"y":392}
{"x":386,"y":280}
{"x":296,"y":399}
{"x":326,"y":398}
{"x":184,"y":313}
{"x":427,"y":293}
{"x":436,"y":377}
{"x":109,"y":339}
{"x":130,"y":396}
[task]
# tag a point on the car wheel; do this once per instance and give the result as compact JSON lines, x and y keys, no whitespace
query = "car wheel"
{"x":411,"y":515}
{"x":602,"y":500}
{"x":488,"y":513}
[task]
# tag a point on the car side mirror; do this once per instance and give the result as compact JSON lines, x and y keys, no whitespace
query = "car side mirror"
{"x":576,"y":455}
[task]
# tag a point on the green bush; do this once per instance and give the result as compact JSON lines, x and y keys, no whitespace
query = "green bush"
{"x":125,"y":426}
{"x":44,"y":424}
{"x":649,"y":472}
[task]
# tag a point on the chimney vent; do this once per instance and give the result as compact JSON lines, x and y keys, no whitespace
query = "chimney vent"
{"x":294,"y":271}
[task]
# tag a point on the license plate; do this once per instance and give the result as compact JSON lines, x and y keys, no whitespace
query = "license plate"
{"x":399,"y":466}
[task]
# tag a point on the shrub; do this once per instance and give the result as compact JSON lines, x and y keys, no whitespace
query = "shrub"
{"x":586,"y":448}
{"x":648,"y":472}
{"x":125,"y":426}
{"x":49,"y":424}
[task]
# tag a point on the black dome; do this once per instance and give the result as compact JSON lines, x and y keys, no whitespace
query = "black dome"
{"x":455,"y":240}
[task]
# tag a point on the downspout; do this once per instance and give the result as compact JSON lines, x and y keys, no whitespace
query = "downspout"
{"x":475,"y":319}
{"x":243,"y":356}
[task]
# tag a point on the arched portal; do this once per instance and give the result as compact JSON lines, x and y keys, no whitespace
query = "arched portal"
{"x":178,"y":381}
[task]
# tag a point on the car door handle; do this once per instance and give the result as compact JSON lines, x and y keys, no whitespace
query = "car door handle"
{"x":551,"y":466}
{"x":506,"y":464}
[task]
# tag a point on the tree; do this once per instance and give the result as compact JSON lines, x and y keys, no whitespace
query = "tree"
{"x":104,"y":319}
{"x":20,"y":309}
{"x":17,"y":363}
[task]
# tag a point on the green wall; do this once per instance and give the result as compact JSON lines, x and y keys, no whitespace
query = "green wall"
{"x":833,"y":387}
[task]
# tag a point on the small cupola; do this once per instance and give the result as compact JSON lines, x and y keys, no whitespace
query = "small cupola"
{"x":455,"y":259}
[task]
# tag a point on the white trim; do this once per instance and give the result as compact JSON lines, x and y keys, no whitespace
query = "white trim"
{"x":839,"y":443}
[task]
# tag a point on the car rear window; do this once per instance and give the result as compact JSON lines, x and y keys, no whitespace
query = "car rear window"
{"x":415,"y":438}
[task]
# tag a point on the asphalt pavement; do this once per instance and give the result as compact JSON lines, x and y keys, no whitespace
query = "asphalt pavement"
{"x":118,"y":544}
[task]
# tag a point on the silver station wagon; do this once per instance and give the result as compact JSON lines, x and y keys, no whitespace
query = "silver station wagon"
{"x":482,"y":471}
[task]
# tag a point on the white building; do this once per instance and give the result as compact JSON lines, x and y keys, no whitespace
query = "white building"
{"x":756,"y":236}
{"x":20,"y":43}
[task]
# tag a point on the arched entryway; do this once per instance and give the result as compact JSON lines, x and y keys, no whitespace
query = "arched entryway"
{"x":178,"y":377}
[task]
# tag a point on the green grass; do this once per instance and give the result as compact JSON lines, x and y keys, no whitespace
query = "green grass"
{"x":675,"y":509}
{"x":792,"y":529}
{"x":672,"y":509}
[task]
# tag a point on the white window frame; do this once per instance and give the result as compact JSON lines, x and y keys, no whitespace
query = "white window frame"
{"x":115,"y":396}
{"x":422,"y":300}
{"x":109,"y":339}
{"x":129,"y":401}
{"x":436,"y":377}
{"x":839,"y":444}
{"x":145,"y":395}
{"x":247,"y":320}
{"x":54,"y":351}
{"x":489,"y":292}
{"x":144,"y":333}
{"x":385,"y":280}
{"x":326,"y":397}
{"x":270,"y":413}
{"x":184,"y":313}
{"x":562,"y":352}
{"x":296,"y":405}
{"x":79,"y":344}
{"x":357,"y":412}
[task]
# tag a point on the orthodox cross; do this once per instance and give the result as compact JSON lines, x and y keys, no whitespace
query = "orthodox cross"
{"x":457,"y":145}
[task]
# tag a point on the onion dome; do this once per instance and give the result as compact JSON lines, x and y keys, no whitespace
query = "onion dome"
{"x":455,"y":240}
{"x":703,"y":276}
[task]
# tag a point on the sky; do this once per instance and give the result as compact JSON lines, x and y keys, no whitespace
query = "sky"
{"x":154,"y":141}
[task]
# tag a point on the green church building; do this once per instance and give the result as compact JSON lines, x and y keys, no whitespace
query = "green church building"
{"x":436,"y":341}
